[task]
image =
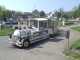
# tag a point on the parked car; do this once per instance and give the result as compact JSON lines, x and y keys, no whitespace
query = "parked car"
{"x":7,"y":24}
{"x":61,"y":19}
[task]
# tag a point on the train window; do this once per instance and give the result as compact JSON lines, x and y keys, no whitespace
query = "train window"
{"x":50,"y":23}
{"x":55,"y":23}
{"x":34,"y":23}
{"x":42,"y":25}
{"x":45,"y":24}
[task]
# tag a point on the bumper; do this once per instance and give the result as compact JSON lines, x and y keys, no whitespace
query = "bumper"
{"x":17,"y":43}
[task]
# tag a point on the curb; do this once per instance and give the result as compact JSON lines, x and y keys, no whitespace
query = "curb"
{"x":67,"y":56}
{"x":4,"y":35}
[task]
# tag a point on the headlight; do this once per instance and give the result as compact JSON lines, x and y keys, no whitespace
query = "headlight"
{"x":10,"y":35}
{"x":29,"y":33}
{"x":19,"y":38}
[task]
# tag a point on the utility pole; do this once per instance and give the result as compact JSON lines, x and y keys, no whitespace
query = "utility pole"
{"x":34,"y":10}
{"x":62,"y":17}
{"x":34,"y":7}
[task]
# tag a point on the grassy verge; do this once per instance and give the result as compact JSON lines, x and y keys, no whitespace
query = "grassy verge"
{"x":76,"y":28}
{"x":72,"y":54}
{"x":76,"y":44}
{"x":59,"y":25}
{"x":6,"y":31}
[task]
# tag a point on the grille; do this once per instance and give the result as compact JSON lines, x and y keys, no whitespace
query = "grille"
{"x":14,"y":38}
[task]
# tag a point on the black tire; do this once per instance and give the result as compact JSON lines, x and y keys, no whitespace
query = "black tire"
{"x":26,"y":44}
{"x":50,"y":35}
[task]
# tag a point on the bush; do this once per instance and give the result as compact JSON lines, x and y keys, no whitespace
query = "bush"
{"x":69,"y":23}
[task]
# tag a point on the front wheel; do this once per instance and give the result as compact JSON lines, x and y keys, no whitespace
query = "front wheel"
{"x":25,"y":44}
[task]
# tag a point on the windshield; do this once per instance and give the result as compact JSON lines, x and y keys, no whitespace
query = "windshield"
{"x":34,"y":23}
{"x":50,"y":23}
{"x":42,"y":25}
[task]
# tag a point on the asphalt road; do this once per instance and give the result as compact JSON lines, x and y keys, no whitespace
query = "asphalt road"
{"x":43,"y":50}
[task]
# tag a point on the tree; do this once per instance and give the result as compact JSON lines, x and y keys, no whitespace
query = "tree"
{"x":4,"y":18}
{"x":65,"y":15}
{"x":7,"y":13}
{"x":2,"y":8}
{"x":78,"y":11}
{"x":70,"y":14}
{"x":74,"y":13}
{"x":18,"y":13}
{"x":42,"y":14}
{"x":4,"y":12}
{"x":57,"y":14}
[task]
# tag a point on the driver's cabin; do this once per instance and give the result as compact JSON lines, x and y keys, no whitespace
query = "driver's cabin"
{"x":38,"y":23}
{"x":44,"y":23}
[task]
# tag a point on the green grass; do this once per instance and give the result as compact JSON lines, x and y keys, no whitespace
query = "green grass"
{"x":72,"y":54}
{"x":67,"y":23}
{"x":75,"y":44}
{"x":59,"y":25}
{"x":6,"y":31}
{"x":76,"y":28}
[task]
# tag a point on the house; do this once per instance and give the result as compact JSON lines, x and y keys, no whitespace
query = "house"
{"x":35,"y":13}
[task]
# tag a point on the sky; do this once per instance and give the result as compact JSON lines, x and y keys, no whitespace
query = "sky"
{"x":45,"y":5}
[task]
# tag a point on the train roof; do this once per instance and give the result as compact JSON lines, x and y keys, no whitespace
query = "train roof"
{"x":39,"y":19}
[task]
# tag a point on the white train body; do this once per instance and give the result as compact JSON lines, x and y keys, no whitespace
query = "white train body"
{"x":41,"y":29}
{"x":20,"y":37}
